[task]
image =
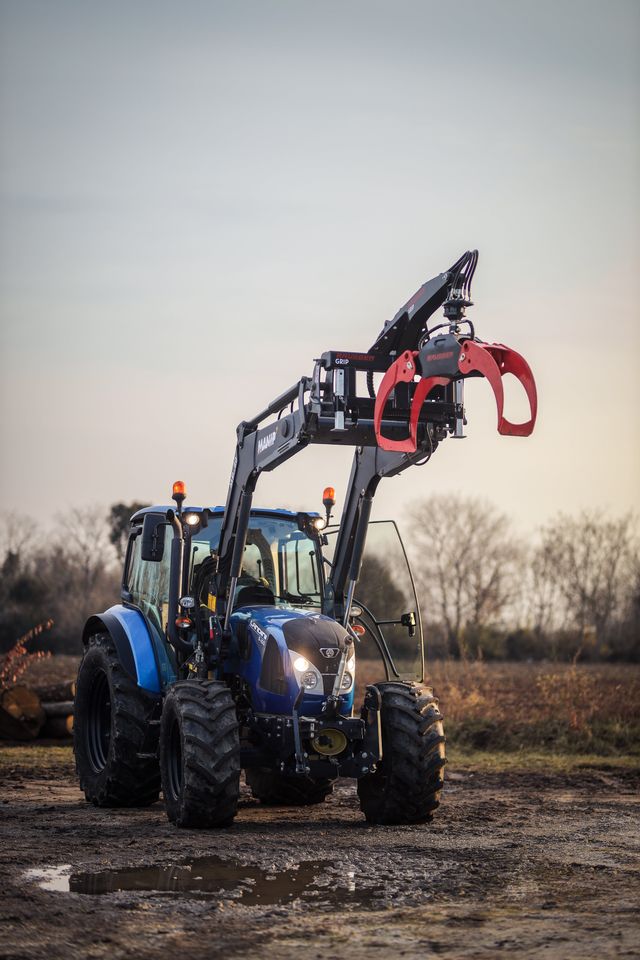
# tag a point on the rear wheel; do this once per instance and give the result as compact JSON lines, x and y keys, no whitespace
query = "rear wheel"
{"x":406,"y":786}
{"x":200,"y":754}
{"x":272,"y":788}
{"x":115,"y":729}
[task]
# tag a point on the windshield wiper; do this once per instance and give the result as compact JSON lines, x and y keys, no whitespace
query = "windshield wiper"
{"x":297,"y":598}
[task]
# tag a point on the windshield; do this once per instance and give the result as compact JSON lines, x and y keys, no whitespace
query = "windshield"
{"x":277,"y":556}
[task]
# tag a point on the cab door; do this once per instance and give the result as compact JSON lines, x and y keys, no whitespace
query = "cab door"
{"x":386,"y":604}
{"x":386,"y":607}
{"x":148,"y":583}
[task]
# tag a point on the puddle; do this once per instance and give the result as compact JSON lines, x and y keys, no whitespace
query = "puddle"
{"x":51,"y":878}
{"x":214,"y":876}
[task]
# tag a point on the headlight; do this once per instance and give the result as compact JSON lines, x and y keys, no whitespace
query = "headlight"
{"x":347,"y":679}
{"x":307,"y":675}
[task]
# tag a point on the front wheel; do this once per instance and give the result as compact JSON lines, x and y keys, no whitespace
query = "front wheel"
{"x":200,"y":754}
{"x":406,"y":785}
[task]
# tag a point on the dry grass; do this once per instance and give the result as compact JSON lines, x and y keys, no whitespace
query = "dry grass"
{"x":583,"y":710}
{"x":566,"y":708}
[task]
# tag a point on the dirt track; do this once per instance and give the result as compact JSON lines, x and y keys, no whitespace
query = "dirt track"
{"x":514,"y":864}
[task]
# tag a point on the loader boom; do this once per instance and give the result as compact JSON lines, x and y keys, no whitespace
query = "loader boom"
{"x":331,"y":407}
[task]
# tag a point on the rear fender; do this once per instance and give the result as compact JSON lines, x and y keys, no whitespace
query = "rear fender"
{"x":146,"y":661}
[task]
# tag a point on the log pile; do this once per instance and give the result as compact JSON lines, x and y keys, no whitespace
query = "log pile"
{"x":27,"y":713}
{"x":30,"y":710}
{"x":21,"y":714}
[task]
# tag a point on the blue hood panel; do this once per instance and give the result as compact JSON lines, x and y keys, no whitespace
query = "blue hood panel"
{"x":264,"y":637}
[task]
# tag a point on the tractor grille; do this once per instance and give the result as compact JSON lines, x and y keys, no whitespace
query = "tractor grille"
{"x":328,"y":680}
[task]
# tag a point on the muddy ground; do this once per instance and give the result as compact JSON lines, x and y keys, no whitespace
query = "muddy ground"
{"x":516,"y":863}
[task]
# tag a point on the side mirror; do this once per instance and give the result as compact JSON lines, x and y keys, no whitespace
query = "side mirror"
{"x":409,"y":620}
{"x":154,"y":527}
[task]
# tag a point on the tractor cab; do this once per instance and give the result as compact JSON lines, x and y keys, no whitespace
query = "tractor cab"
{"x":282,"y":644}
{"x":282,"y":561}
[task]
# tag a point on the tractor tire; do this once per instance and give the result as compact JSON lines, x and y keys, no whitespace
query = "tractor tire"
{"x":405,"y":787}
{"x":200,"y":754}
{"x":115,"y":731}
{"x":276,"y":790}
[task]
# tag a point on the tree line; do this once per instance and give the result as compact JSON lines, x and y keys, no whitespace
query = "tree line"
{"x":63,"y":574}
{"x":571,"y":590}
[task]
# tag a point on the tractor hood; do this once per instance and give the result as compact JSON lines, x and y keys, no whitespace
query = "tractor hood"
{"x":269,"y":642}
{"x":308,"y":632}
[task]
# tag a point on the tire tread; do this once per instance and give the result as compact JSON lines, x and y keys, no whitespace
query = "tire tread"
{"x":406,"y":786}
{"x":131,"y":777}
{"x":210,"y":739}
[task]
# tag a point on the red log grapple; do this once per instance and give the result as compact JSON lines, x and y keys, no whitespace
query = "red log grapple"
{"x":451,"y":358}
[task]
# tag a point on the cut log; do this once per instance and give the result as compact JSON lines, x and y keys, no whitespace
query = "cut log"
{"x":54,"y":692}
{"x":21,"y":714}
{"x":57,"y":728}
{"x":64,"y":709}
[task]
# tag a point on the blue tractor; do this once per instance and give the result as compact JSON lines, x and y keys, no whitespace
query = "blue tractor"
{"x":270,"y":642}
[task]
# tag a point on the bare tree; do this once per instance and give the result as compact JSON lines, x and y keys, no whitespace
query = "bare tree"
{"x":589,"y":562}
{"x":19,"y":538}
{"x":19,"y":535}
{"x":542,"y":601}
{"x":83,"y":536}
{"x":466,"y":563}
{"x":119,"y":516}
{"x":64,"y":574}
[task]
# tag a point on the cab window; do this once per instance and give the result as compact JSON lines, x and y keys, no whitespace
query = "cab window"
{"x":148,"y":584}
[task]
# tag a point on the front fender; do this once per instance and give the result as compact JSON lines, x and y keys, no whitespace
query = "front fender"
{"x":143,"y":659}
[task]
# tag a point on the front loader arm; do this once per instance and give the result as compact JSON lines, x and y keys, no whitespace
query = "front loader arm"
{"x":258,"y":449}
{"x":370,"y":465}
{"x":393,"y":428}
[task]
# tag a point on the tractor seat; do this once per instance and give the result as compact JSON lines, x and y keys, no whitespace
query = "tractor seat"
{"x":254,"y":595}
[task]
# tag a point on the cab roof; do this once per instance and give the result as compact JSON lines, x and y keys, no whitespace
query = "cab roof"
{"x":213,"y":511}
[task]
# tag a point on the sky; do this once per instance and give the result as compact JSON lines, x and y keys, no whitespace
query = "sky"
{"x":198,"y":198}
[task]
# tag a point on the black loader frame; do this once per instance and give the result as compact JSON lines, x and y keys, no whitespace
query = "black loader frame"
{"x":327,"y":409}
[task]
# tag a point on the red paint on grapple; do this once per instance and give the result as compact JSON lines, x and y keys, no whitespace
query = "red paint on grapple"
{"x":491,"y":360}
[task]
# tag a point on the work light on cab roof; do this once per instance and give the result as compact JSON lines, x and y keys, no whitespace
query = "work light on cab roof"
{"x":329,"y":501}
{"x":179,"y":493}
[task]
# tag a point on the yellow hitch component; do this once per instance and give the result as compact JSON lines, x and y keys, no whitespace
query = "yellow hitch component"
{"x":329,"y":742}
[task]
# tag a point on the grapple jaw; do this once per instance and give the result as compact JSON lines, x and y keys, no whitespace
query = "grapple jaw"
{"x":493,"y":360}
{"x":448,"y":359}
